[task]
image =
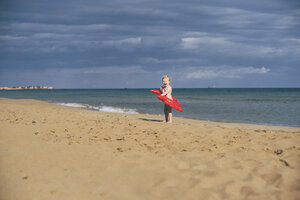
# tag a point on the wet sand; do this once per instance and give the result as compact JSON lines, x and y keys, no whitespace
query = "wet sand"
{"x":50,"y":151}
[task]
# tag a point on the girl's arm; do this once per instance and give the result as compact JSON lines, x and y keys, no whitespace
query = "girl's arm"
{"x":166,"y":92}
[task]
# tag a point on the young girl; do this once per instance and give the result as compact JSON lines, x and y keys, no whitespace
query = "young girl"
{"x":167,"y":91}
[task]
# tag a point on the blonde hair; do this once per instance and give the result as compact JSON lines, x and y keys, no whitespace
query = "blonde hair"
{"x":166,"y":76}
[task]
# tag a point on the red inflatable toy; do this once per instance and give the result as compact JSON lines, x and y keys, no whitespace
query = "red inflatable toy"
{"x":173,"y":103}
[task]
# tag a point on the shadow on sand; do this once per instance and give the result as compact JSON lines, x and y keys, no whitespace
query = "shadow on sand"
{"x":151,"y":120}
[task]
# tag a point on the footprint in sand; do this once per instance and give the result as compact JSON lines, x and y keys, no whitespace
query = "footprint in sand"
{"x":247,"y":191}
{"x":210,"y":173}
{"x":272,"y":178}
{"x":278,"y":151}
{"x":120,"y":149}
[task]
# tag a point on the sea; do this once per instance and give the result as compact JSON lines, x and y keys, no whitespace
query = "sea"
{"x":267,"y":106}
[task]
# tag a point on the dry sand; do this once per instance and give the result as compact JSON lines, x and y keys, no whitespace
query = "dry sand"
{"x":49,"y":151}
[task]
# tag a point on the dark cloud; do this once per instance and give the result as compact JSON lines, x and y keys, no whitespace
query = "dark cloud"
{"x":196,"y":42}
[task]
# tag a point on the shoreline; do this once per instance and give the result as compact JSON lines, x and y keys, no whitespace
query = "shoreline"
{"x":92,"y":155}
{"x":187,"y":118}
{"x":227,"y":124}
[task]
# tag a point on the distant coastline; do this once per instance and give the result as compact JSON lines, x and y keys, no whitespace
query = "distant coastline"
{"x":27,"y":88}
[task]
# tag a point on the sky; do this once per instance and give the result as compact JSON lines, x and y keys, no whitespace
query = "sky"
{"x":133,"y":43}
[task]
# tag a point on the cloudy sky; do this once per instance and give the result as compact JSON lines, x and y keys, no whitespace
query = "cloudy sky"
{"x":132,"y":43}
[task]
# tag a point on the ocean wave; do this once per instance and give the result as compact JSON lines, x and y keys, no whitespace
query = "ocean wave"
{"x":101,"y":108}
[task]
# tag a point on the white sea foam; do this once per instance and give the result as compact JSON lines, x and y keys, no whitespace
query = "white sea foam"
{"x":101,"y":108}
{"x":77,"y":105}
{"x":117,"y":110}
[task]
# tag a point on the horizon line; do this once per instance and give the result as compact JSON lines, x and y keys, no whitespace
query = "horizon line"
{"x":192,"y":88}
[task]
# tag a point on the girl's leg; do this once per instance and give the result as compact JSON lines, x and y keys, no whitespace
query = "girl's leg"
{"x":170,"y":114}
{"x":166,"y":113}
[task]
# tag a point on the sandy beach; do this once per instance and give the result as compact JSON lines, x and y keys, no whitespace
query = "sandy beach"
{"x":51,"y":151}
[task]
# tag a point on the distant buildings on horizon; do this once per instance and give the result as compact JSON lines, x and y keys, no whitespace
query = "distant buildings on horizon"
{"x":26,"y":87}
